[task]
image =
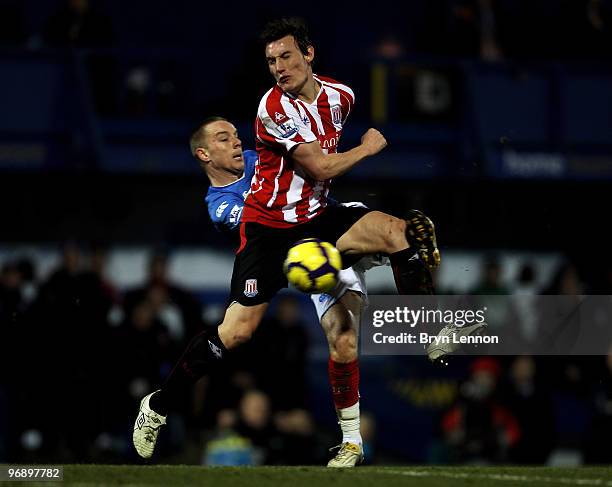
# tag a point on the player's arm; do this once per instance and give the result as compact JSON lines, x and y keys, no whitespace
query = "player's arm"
{"x":321,"y":166}
{"x":226,"y":212}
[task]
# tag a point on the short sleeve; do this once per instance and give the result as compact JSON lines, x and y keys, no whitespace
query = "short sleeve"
{"x":281,"y":124}
{"x":225,"y":211}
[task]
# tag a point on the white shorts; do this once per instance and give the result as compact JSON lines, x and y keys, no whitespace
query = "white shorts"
{"x":351,"y":279}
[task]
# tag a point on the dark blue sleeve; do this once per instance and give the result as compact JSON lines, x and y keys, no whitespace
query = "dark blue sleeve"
{"x":225,"y":209}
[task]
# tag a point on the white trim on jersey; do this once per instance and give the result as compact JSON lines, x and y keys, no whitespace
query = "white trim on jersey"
{"x":338,"y":86}
{"x":294,"y":196}
{"x":314,"y":202}
{"x":276,"y":178}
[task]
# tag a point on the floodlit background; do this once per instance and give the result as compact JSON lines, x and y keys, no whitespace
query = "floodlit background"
{"x":498,"y":115}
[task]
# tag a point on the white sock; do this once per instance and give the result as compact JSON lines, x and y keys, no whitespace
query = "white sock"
{"x":348,"y":418}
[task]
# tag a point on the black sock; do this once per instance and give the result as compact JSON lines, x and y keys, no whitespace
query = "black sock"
{"x":203,"y":354}
{"x":412,"y":277}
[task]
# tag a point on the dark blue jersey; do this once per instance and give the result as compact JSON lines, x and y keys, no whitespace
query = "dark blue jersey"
{"x":225,"y":203}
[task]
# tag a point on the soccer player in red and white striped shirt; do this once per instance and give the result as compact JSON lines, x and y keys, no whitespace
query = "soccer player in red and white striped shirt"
{"x":299,"y":124}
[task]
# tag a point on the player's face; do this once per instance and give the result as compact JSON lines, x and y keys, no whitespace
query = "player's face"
{"x":223,"y":147}
{"x":289,"y":66}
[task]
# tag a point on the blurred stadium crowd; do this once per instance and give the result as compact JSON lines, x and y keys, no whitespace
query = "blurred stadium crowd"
{"x":78,"y":354}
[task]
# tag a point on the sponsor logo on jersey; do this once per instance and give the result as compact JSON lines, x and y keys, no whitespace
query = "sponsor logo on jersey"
{"x":221,"y":208}
{"x":306,"y":120}
{"x":234,"y":215}
{"x":330,"y":142}
{"x":279,"y":117}
{"x":250,"y":288}
{"x":324,"y":297}
{"x":336,"y":113}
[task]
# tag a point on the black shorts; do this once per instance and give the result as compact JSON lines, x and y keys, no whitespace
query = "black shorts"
{"x":258,"y":268}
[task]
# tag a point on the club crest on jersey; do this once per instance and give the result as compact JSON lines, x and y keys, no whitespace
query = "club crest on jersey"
{"x":336,"y":113}
{"x":250,"y":288}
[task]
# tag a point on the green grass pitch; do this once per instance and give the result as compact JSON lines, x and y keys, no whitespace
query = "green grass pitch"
{"x":171,"y":475}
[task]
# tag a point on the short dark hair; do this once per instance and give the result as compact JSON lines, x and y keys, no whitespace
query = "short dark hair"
{"x":287,"y":26}
{"x":198,"y":138}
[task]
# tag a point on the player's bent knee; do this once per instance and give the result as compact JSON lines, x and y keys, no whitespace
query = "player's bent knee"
{"x":394,"y":234}
{"x":344,"y":347}
{"x":346,"y":342}
{"x":236,"y":332}
{"x":336,"y":320}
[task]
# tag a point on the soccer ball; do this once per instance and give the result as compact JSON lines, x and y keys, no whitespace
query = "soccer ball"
{"x":312,"y":266}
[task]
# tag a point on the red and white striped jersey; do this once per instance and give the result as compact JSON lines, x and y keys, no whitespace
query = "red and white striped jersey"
{"x":282,"y":194}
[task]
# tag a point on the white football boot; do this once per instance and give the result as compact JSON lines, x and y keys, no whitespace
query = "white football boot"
{"x":448,"y":339}
{"x":146,"y":428}
{"x":349,"y":455}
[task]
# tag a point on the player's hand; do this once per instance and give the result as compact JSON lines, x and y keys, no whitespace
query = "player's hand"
{"x":373,"y":141}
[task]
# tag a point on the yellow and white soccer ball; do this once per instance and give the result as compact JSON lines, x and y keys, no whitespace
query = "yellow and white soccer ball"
{"x":312,"y":266}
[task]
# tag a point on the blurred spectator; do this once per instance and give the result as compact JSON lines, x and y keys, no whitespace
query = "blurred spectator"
{"x":530,"y":402}
{"x":226,"y":447}
{"x":492,"y":295}
{"x":525,"y":291}
{"x":255,"y":423}
{"x":565,"y":281}
{"x":478,"y":429}
{"x":175,"y":307}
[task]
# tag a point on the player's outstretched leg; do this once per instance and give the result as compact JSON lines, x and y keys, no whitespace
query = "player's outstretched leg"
{"x":410,"y":244}
{"x":204,"y":354}
{"x":340,"y":324}
{"x":421,"y":235}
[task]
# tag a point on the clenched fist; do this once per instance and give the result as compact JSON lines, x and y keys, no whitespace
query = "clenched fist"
{"x":373,"y":141}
